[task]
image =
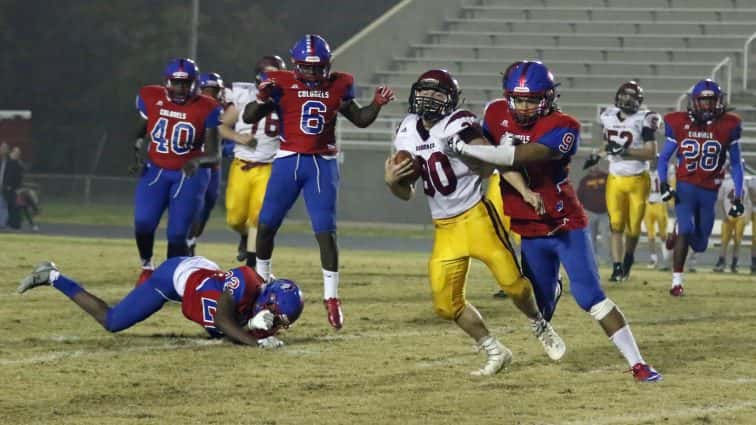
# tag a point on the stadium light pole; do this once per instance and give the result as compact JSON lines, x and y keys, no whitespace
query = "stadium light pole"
{"x":194,"y":30}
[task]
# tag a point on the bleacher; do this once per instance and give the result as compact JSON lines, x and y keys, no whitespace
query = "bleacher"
{"x":591,"y":46}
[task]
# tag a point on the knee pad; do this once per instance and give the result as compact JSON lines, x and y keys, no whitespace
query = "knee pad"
{"x":599,"y":310}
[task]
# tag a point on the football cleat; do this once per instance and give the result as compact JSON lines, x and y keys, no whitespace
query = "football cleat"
{"x":617,"y":273}
{"x":551,"y":341}
{"x":40,"y":276}
{"x":720,"y":266}
{"x":499,"y":357}
{"x":676,"y":291}
{"x":241,"y":250}
{"x":146,"y":274}
{"x":335,"y":316}
{"x":645,"y":373}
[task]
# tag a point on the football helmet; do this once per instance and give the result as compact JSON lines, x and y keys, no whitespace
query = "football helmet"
{"x":284,"y":299}
{"x":311,"y":56}
{"x":180,"y":79}
{"x":434,"y":107}
{"x":266,"y":62}
{"x":629,"y":97}
{"x":529,"y":80}
{"x":212,"y":85}
{"x":706,"y":101}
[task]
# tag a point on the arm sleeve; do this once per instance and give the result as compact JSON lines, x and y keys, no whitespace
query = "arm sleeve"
{"x":736,"y":168}
{"x":140,"y":107}
{"x":669,"y":148}
{"x":213,"y":119}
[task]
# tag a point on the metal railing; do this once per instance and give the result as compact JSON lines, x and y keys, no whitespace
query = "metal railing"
{"x":746,"y":55}
{"x":728,"y":81}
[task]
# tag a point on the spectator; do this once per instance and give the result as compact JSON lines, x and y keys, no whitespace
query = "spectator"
{"x":27,"y":202}
{"x":4,"y":149}
{"x":12,"y":178}
{"x":592,"y":193}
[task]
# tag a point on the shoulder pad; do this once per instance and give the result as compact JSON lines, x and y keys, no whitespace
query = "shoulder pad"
{"x":453,"y":124}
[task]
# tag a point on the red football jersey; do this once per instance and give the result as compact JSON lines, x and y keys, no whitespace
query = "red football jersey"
{"x":701,"y":148}
{"x":559,"y":132}
{"x":176,"y":131}
{"x":204,"y":287}
{"x":308,"y":115}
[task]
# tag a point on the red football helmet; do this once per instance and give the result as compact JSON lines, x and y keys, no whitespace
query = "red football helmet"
{"x":434,"y":107}
{"x":629,"y":97}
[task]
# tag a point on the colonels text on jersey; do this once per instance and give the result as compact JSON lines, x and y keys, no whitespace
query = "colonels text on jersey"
{"x":176,"y":130}
{"x":451,"y":185}
{"x":314,"y":109}
{"x":702,"y":148}
{"x":559,"y":132}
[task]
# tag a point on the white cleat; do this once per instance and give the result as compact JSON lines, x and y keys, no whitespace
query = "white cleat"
{"x":499,"y":357}
{"x":551,"y":341}
{"x":40,"y":276}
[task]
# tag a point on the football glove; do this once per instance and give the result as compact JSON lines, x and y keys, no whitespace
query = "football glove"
{"x":270,"y":342}
{"x":666,"y":192}
{"x":456,"y":145}
{"x":139,"y":161}
{"x":737,"y":209}
{"x":265,"y":91}
{"x":592,"y":160}
{"x":383,"y":95}
{"x":613,"y":148}
{"x":262,"y":321}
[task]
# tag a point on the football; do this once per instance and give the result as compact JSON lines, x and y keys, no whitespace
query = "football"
{"x":402,"y":155}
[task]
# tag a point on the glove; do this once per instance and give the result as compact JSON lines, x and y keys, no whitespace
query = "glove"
{"x":270,"y":342}
{"x":737,"y":209}
{"x":265,"y":91}
{"x":666,"y":192}
{"x":592,"y":160}
{"x":383,"y":95}
{"x":456,"y":145}
{"x":613,"y":148}
{"x":138,"y":163}
{"x":262,"y":321}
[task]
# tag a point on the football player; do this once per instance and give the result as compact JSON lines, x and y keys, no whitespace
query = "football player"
{"x":235,"y":304}
{"x":183,"y":145}
{"x":467,"y":225}
{"x":533,"y":135}
{"x":210,"y":84}
{"x":630,"y":133}
{"x":751,"y":182}
{"x":254,"y":153}
{"x":732,"y":227}
{"x":702,"y":138}
{"x":655,"y":219}
{"x":307,"y":100}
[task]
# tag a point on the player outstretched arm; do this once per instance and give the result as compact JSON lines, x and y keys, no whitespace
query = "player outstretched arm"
{"x":226,"y":129}
{"x":394,"y":177}
{"x":667,"y":151}
{"x":517,"y":181}
{"x":364,"y":116}
{"x":226,"y":321}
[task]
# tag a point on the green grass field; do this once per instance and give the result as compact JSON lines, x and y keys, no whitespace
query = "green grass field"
{"x":393,"y":363}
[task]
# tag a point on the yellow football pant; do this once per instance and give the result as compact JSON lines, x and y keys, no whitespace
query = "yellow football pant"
{"x":626,"y":202}
{"x":656,"y":218}
{"x":476,"y":233}
{"x":244,"y":194}
{"x":493,"y":193}
{"x":733,"y":228}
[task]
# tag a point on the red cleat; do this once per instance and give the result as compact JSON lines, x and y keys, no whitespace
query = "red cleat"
{"x":335,"y":317}
{"x":645,"y":373}
{"x":676,"y":291}
{"x":146,"y":274}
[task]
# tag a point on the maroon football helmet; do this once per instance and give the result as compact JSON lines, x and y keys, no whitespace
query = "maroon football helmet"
{"x":266,"y":62}
{"x":431,"y":108}
{"x":629,"y":97}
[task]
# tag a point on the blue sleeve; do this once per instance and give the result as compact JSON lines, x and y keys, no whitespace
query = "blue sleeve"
{"x":213,"y":118}
{"x":562,"y":140}
{"x":669,"y":132}
{"x":736,"y":168}
{"x":348,"y":94}
{"x":227,"y":148}
{"x":667,"y":151}
{"x":140,"y":107}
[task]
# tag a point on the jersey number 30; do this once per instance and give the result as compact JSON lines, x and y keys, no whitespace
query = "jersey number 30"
{"x":179,"y":141}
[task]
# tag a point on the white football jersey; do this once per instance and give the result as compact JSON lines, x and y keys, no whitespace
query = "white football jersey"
{"x":266,"y":130}
{"x":654,"y":195}
{"x":627,"y":132}
{"x":727,"y":191}
{"x":451,"y":185}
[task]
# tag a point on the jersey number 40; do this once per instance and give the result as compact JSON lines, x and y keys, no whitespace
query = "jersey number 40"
{"x":179,"y":141}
